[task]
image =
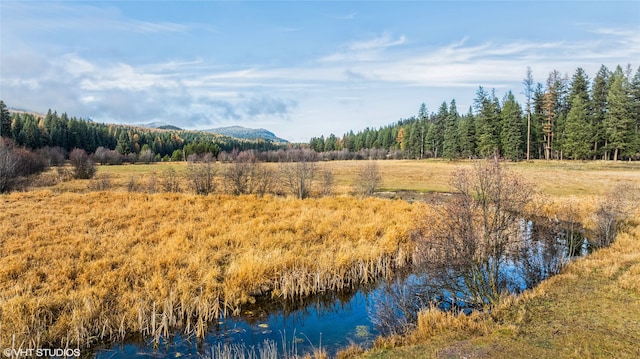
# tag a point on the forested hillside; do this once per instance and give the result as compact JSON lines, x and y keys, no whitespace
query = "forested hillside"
{"x":53,"y":130}
{"x":567,"y":118}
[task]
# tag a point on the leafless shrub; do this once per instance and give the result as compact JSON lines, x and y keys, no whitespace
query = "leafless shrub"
{"x":201,"y":174}
{"x":170,"y":181}
{"x":132,"y":185}
{"x":241,"y":175}
{"x":101,"y":182}
{"x":152,"y":185}
{"x":106,"y":156}
{"x":265,"y":180}
{"x":613,"y":211}
{"x":368,"y":179}
{"x":53,"y":155}
{"x":326,"y":178}
{"x":146,"y":156}
{"x":298,"y":171}
{"x":467,"y":240}
{"x":10,"y":178}
{"x":246,"y":175}
{"x":131,"y":158}
{"x":83,"y":166}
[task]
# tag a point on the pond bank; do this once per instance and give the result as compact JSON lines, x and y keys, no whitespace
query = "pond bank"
{"x":591,"y":309}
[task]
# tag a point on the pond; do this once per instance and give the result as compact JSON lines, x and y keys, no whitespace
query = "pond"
{"x":333,"y":321}
{"x":329,"y":322}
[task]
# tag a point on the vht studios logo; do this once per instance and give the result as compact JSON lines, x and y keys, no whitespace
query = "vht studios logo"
{"x":41,"y":353}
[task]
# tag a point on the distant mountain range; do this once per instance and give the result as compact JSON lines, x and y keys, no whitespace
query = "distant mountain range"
{"x":231,"y":131}
{"x":247,"y":133}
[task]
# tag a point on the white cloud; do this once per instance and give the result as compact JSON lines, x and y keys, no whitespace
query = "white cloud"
{"x":50,"y":16}
{"x":378,"y":43}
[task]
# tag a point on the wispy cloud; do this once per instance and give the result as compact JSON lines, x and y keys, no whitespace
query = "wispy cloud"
{"x":378,"y":43}
{"x":365,"y":50}
{"x":50,"y":16}
{"x":349,"y":16}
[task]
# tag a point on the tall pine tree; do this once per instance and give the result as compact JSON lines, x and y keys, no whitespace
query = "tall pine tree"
{"x":487,"y":123}
{"x":451,"y":141}
{"x":577,"y":145}
{"x":512,"y":128}
{"x":618,"y":122}
{"x":599,"y":92}
{"x":5,"y":120}
{"x":467,"y":135}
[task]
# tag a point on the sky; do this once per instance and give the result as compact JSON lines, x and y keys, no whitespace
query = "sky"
{"x":300,"y":69}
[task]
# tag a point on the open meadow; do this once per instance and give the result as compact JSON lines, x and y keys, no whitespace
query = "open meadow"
{"x":83,"y":263}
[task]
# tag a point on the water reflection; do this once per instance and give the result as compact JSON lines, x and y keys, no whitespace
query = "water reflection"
{"x":334,"y":320}
{"x":541,"y":251}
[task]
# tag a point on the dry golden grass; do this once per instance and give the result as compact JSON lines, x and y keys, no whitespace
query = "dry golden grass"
{"x":571,"y":179}
{"x":79,"y":268}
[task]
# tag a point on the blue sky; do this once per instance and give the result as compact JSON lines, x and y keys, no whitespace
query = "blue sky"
{"x":297,"y":68}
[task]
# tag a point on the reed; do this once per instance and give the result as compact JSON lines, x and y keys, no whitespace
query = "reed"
{"x":78,"y":269}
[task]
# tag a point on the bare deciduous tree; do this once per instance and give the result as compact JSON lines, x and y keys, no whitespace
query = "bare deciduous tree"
{"x":299,"y":171}
{"x":368,"y":179}
{"x":201,"y":174}
{"x":469,"y":238}
{"x":241,"y":175}
{"x":9,"y":177}
{"x":83,"y":166}
{"x":170,"y":180}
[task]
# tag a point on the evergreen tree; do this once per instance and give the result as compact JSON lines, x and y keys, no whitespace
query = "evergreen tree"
{"x":580,"y":87}
{"x":414,"y":140}
{"x":16,"y":129}
{"x":599,"y":90}
{"x":551,"y":110}
{"x":467,"y":135}
{"x":435,"y":134}
{"x":450,"y":145}
{"x":5,"y":120}
{"x":618,"y":123}
{"x":537,"y":122}
{"x":635,"y":109}
{"x":124,"y":146}
{"x":578,"y":128}
{"x":487,"y":123}
{"x":31,"y":132}
{"x":511,"y":135}
{"x":528,"y":94}
{"x":423,"y":119}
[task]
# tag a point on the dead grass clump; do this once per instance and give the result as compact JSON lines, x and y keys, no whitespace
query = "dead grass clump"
{"x":352,"y":351}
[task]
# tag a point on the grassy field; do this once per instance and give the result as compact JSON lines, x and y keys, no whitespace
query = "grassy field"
{"x":80,"y":265}
{"x":553,"y":178}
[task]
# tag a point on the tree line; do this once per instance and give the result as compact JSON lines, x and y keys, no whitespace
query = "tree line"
{"x":52,"y":130}
{"x":565,"y":118}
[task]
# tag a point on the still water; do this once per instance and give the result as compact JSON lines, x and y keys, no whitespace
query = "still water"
{"x":327,"y":322}
{"x":335,"y":320}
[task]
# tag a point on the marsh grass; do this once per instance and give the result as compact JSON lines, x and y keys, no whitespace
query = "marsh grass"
{"x":78,"y":269}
